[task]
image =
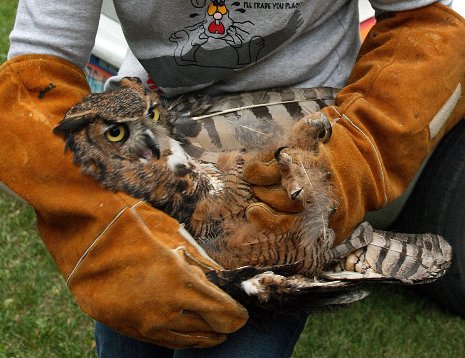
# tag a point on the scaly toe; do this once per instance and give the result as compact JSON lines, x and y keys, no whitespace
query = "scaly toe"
{"x":322,"y":128}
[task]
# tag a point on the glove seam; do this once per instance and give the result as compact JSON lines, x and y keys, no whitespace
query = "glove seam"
{"x":378,"y":156}
{"x":91,"y":246}
{"x":188,"y":237}
{"x":184,"y":234}
{"x":364,"y":94}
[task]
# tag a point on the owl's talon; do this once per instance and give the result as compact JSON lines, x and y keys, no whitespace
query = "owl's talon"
{"x":316,"y":123}
{"x":328,"y":128}
{"x":322,"y":129}
{"x":318,"y":129}
{"x":277,"y":153}
{"x":296,"y":193}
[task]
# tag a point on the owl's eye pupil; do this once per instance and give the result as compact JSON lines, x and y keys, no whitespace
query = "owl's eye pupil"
{"x":153,"y":113}
{"x":117,"y":133}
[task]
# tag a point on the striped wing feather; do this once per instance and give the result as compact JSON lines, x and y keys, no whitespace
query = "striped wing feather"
{"x":250,"y":120}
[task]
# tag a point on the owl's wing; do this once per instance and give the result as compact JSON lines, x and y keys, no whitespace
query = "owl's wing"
{"x":249,"y":120}
{"x":277,"y":290}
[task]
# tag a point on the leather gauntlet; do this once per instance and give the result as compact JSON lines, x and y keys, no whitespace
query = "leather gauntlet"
{"x":127,"y":264}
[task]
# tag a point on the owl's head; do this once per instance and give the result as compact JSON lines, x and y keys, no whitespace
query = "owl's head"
{"x":126,"y":123}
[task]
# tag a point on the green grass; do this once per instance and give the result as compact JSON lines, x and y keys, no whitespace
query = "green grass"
{"x":38,"y":315}
{"x":39,"y":318}
{"x":391,"y":322}
{"x":7,"y":16}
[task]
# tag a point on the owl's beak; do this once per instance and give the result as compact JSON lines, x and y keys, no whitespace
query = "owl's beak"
{"x":152,"y":146}
{"x":147,"y":147}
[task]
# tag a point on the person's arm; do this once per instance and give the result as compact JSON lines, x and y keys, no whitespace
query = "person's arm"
{"x":127,"y":264}
{"x":59,"y":28}
{"x":404,"y":93}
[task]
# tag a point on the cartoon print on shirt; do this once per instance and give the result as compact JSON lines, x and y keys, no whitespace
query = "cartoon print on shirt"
{"x":216,"y":30}
{"x":227,"y":38}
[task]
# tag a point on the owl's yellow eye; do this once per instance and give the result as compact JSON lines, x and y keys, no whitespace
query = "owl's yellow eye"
{"x":153,"y":114}
{"x":117,"y":133}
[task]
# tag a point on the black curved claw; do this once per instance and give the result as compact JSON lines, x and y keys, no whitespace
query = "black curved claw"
{"x":326,"y":134}
{"x":296,"y":193}
{"x":277,"y":153}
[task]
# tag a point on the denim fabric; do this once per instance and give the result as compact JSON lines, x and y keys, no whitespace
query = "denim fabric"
{"x":110,"y":344}
{"x":276,"y":342}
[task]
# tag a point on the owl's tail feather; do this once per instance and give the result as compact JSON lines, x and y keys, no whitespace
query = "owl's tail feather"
{"x":379,"y":255}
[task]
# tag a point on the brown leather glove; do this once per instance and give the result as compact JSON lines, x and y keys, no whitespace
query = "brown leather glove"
{"x":126,"y":263}
{"x":405,"y":92}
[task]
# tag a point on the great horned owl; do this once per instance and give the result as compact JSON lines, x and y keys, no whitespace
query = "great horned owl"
{"x":122,"y":138}
{"x":130,"y":140}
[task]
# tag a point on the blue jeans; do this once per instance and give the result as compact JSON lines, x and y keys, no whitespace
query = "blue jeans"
{"x":276,"y":342}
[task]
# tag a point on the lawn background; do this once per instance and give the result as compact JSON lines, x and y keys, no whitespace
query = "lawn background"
{"x":39,"y":318}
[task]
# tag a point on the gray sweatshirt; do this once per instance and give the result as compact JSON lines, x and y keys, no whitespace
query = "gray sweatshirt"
{"x":215,"y":45}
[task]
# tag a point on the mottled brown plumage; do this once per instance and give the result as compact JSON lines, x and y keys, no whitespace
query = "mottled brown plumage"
{"x":132,"y":141}
{"x":210,"y":200}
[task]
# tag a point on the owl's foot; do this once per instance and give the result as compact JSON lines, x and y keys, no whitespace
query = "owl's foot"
{"x":303,"y":178}
{"x":319,"y":130}
{"x":310,"y":131}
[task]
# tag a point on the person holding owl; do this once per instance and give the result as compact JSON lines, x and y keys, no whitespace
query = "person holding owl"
{"x":127,"y":264}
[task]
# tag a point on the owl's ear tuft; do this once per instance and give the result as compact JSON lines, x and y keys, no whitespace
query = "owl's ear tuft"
{"x":73,"y":123}
{"x":132,"y":82}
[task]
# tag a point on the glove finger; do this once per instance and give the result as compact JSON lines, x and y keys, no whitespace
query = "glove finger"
{"x":262,"y":173}
{"x":278,"y":199}
{"x":267,"y":218}
{"x":190,"y":323}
